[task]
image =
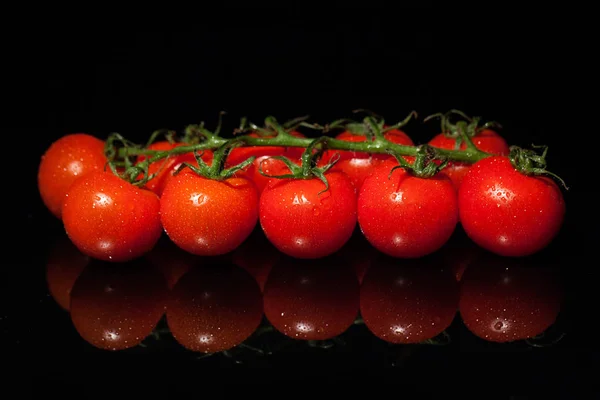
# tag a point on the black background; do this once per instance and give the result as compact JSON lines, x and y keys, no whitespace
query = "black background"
{"x":531,"y":75}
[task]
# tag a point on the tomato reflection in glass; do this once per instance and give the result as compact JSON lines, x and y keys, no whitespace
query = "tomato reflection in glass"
{"x":311,"y":299}
{"x":214,"y":307}
{"x":63,"y":266}
{"x":408,"y":301}
{"x":506,"y":299}
{"x":257,"y":256}
{"x":116,"y":306}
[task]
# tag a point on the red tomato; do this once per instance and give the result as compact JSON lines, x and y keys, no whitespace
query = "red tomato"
{"x":507,"y":212}
{"x":64,"y":264}
{"x":110,"y":219}
{"x":404,"y":215}
{"x":165,"y":168}
{"x":67,"y":159}
{"x":214,"y":308}
{"x":311,"y":300}
{"x":302,"y":223}
{"x":504,"y":299}
{"x":357,"y":165}
{"x":262,"y":154}
{"x":208,"y":217}
{"x":257,"y":256}
{"x":487,"y":140}
{"x":117,"y":308}
{"x":408,"y":302}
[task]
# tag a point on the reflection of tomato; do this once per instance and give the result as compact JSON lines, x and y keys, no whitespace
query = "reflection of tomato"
{"x":359,"y":254}
{"x":408,"y":301}
{"x":459,"y":252}
{"x":116,"y":308}
{"x":257,"y":256}
{"x":208,"y":217}
{"x":214,"y":307}
{"x":487,"y":140}
{"x":110,"y":219}
{"x":67,"y":159}
{"x":311,"y":300}
{"x":504,"y":299}
{"x":64,"y":264}
{"x":165,"y":168}
{"x":305,"y":223}
{"x":172,"y":261}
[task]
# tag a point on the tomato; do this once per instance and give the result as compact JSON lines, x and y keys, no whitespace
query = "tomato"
{"x":263,"y":154}
{"x":487,"y":140}
{"x":110,"y":219}
{"x":257,"y":256}
{"x":302,"y":223}
{"x":208,"y":217}
{"x":116,"y":308}
{"x":408,"y":301}
{"x":214,"y":307}
{"x":358,"y":165}
{"x":67,"y":159}
{"x":165,"y":168}
{"x":404,"y":215}
{"x":311,"y":300}
{"x":507,"y":212}
{"x":63,"y":266}
{"x":507,"y":299}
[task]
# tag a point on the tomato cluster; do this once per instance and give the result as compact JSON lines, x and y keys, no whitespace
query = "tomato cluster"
{"x":400,"y":213}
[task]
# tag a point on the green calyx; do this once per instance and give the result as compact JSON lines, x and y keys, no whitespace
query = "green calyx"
{"x":530,"y":163}
{"x":372,"y":126}
{"x":308,"y":168}
{"x":424,"y":165}
{"x":462,"y":130}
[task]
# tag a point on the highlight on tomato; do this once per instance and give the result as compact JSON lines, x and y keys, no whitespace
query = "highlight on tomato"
{"x":407,"y":210}
{"x":509,"y":206}
{"x":109,"y":218}
{"x":68,"y":158}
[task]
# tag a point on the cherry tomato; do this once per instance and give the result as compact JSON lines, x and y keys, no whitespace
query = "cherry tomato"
{"x":63,"y":265}
{"x":208,"y":217}
{"x":214,"y":307}
{"x":257,"y":256}
{"x":506,"y":299}
{"x":408,"y":301}
{"x":507,"y":212}
{"x":110,"y":219}
{"x":358,"y":165}
{"x":263,"y":154}
{"x":311,"y":300}
{"x":487,"y":140}
{"x":67,"y":159}
{"x":165,"y":168}
{"x":116,"y":308}
{"x":302,"y":223}
{"x":404,"y":215}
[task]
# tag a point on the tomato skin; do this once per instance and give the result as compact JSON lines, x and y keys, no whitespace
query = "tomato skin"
{"x":63,"y":266}
{"x":487,"y":140}
{"x":358,"y":165}
{"x":507,"y":299}
{"x":208,"y":217}
{"x":509,"y":213}
{"x":67,"y":159}
{"x":311,"y":300}
{"x":117,"y":308}
{"x":406,"y":216}
{"x":165,"y":168}
{"x":110,"y":219}
{"x":214,"y":307}
{"x":408,"y":301}
{"x":302,"y":223}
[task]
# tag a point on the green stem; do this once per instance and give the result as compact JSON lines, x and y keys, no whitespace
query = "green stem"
{"x":378,"y":146}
